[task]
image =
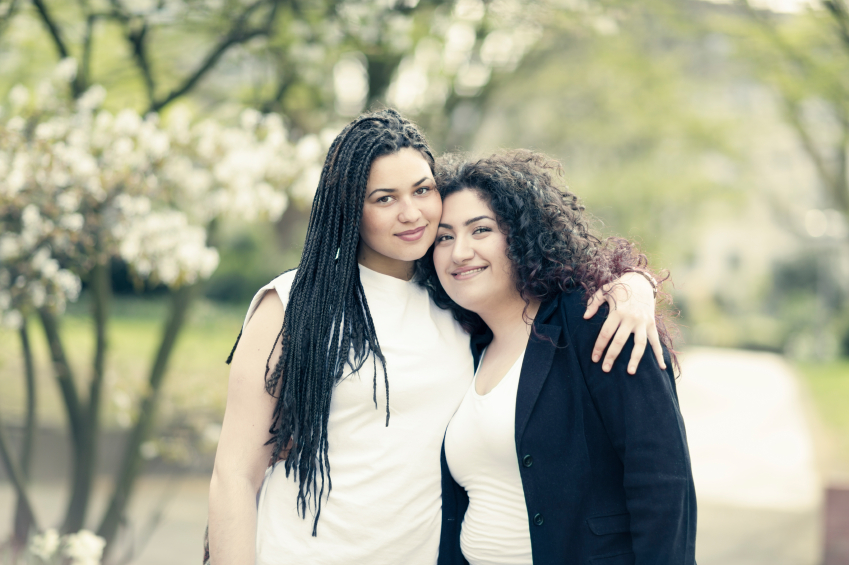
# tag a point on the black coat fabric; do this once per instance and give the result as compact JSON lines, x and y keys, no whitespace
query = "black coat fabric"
{"x":603,"y":456}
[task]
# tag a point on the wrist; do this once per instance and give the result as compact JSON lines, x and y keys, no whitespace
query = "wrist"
{"x":651,"y":280}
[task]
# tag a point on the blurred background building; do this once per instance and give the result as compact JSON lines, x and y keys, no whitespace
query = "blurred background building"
{"x":158,"y":160}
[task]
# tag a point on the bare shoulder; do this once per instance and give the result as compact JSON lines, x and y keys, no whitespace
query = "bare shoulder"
{"x":260,"y":334}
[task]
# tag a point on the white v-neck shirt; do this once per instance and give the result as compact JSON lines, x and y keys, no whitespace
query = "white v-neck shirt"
{"x":385,"y":507}
{"x":480,"y":448}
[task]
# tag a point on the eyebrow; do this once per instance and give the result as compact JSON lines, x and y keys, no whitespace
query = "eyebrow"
{"x":391,"y":190}
{"x":467,"y":222}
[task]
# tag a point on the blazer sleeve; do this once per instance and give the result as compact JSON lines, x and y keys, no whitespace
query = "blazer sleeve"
{"x":641,"y":417}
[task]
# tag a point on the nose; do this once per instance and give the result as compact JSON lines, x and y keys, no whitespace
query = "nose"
{"x":410,"y":212}
{"x":462,"y":250}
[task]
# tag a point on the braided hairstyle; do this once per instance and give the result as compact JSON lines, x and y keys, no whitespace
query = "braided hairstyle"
{"x":327,"y":288}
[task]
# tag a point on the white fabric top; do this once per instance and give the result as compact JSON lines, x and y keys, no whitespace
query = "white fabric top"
{"x":385,"y":506}
{"x":480,"y":448}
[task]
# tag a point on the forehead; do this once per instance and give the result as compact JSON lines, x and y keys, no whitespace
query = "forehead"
{"x":396,"y":170}
{"x":464,"y":204}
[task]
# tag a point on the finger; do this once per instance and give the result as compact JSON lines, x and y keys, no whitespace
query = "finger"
{"x":639,"y":350}
{"x":616,"y":346}
{"x":654,"y":340}
{"x":607,"y":331}
{"x":596,"y":300}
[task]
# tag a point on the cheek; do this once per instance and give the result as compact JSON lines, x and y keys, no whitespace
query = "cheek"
{"x":441,"y":260}
{"x":370,"y":224}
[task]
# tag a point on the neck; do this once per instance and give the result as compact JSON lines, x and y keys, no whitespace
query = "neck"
{"x":384,"y":265}
{"x":508,"y":318}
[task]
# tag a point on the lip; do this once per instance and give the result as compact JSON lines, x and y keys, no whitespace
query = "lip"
{"x":412,"y":235}
{"x":465,"y":273}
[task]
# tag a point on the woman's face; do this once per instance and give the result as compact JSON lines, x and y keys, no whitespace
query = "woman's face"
{"x":400,"y":213}
{"x":470,"y":254}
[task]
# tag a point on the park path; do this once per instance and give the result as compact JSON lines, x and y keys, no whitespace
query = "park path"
{"x":751,"y":449}
{"x":753,"y":459}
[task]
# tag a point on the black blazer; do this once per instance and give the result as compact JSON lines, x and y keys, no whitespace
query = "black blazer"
{"x":603,"y":456}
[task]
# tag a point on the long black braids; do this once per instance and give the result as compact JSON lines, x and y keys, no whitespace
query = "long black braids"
{"x":316,"y":343}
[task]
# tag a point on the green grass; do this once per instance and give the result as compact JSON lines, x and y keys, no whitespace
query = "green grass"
{"x":829,"y":385}
{"x":195,"y":383}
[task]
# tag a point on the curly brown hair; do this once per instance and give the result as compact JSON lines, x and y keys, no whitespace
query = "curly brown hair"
{"x":549,"y":240}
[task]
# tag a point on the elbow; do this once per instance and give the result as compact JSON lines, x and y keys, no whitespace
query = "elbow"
{"x":227,"y":483}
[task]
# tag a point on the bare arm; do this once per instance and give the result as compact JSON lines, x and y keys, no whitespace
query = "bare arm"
{"x":632,"y":308}
{"x":242,"y":456}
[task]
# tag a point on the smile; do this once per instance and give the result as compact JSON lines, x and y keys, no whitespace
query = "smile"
{"x":412,"y":235}
{"x":464,"y":274}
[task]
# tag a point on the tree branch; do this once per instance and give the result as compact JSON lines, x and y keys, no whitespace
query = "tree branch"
{"x":7,"y":17}
{"x":282,"y":86}
{"x":137,"y":40}
{"x":16,"y":477}
{"x":82,"y":80}
{"x":23,"y":516}
{"x":792,"y":113}
{"x":841,"y":17}
{"x":132,"y":461}
{"x":85,"y":462}
{"x":54,"y":30}
{"x":236,"y":36}
{"x":62,"y":370}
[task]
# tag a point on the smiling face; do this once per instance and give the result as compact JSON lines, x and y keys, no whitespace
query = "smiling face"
{"x":400,"y":213}
{"x":470,"y":254}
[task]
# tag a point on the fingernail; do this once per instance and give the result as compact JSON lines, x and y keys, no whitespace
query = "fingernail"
{"x":606,"y":367}
{"x":595,"y":358}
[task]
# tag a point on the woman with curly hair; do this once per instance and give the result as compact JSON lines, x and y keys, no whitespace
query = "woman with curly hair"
{"x":346,"y":374}
{"x":548,"y":459}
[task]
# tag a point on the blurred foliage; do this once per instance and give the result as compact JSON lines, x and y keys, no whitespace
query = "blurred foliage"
{"x":830,"y":391}
{"x":675,"y":121}
{"x":617,"y":98}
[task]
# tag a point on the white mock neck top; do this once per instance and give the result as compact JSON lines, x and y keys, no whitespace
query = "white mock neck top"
{"x":385,"y":507}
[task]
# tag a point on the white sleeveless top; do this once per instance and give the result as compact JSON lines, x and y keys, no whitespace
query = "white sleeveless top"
{"x":386,"y":503}
{"x":480,"y":448}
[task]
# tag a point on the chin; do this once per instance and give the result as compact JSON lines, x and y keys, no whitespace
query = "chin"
{"x":412,"y":252}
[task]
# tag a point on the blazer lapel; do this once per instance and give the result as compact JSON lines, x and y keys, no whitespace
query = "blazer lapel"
{"x":535,"y":368}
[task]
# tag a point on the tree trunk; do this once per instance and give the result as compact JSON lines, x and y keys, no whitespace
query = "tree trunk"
{"x":132,"y":460}
{"x":85,"y":464}
{"x":23,"y":516}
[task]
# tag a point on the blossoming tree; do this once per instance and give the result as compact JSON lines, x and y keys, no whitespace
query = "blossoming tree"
{"x":79,"y":186}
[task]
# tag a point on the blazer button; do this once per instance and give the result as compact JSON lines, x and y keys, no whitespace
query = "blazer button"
{"x":527,"y":460}
{"x":538,"y":519}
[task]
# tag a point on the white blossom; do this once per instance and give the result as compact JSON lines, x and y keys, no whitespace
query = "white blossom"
{"x":18,"y":96}
{"x":13,"y":319}
{"x":146,"y":190}
{"x":44,"y":545}
{"x":9,"y":247}
{"x":84,"y":548}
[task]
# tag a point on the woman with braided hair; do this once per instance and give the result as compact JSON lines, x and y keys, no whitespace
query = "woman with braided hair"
{"x":346,"y":373}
